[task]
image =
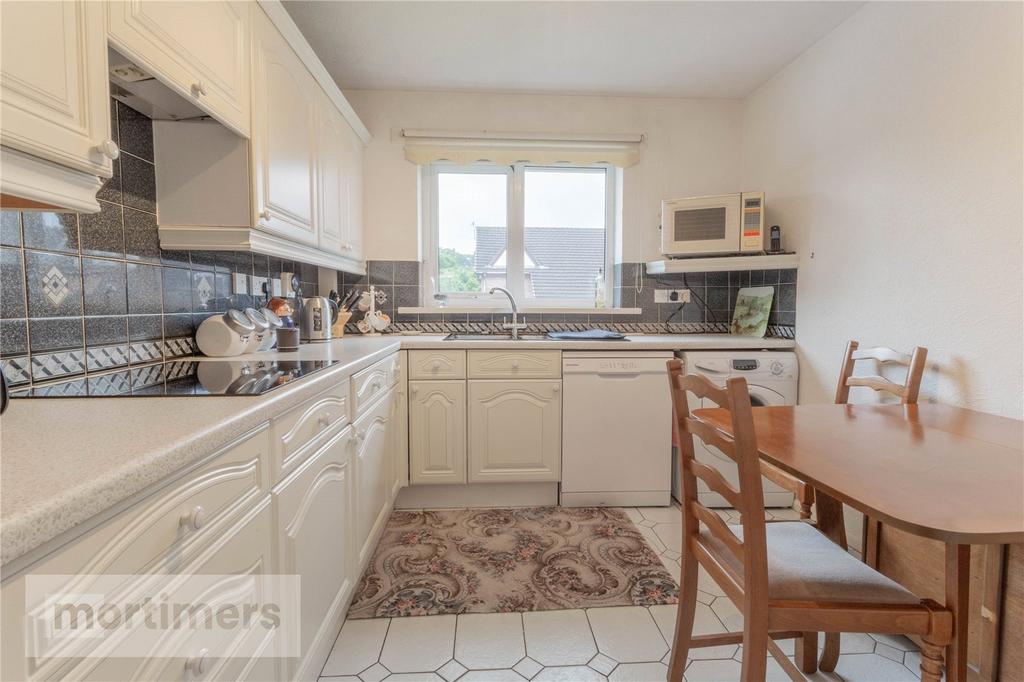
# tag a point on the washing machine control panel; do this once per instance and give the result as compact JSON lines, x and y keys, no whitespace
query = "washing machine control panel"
{"x":745,"y":365}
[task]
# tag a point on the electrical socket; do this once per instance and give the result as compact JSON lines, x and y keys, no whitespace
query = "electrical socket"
{"x":671,"y":295}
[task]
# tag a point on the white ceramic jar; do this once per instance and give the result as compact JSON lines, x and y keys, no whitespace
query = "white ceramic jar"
{"x":225,"y":335}
{"x":261,"y":332}
{"x":275,"y":323}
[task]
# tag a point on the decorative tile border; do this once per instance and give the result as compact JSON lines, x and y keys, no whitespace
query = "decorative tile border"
{"x":53,"y":365}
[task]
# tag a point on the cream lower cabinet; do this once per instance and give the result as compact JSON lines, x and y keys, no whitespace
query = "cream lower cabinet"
{"x":515,"y":430}
{"x":373,"y":460}
{"x":437,"y":432}
{"x":400,"y":427}
{"x":54,"y":103}
{"x":315,"y":532}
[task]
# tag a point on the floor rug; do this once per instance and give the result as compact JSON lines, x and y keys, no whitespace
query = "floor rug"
{"x":502,"y":560}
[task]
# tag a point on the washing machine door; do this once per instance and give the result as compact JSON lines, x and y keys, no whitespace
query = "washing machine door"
{"x":764,"y":397}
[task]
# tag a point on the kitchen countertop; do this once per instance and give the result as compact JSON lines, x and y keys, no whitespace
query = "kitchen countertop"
{"x":63,"y":461}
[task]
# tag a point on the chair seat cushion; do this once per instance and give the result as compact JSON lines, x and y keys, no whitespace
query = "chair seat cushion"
{"x":804,"y":565}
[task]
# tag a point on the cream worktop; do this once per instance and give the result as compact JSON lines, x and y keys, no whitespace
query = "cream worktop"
{"x":64,"y":461}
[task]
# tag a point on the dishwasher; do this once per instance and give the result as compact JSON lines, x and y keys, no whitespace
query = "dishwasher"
{"x":616,"y":429}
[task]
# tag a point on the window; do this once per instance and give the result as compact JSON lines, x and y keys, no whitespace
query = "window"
{"x":542,"y":232}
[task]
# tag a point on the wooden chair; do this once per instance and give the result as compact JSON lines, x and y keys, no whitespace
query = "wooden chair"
{"x":787,"y":579}
{"x":907,"y":391}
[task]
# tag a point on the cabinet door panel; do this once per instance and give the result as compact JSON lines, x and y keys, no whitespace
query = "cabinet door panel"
{"x":373,"y":440}
{"x":54,"y":93}
{"x":515,"y":430}
{"x":332,"y":150}
{"x":200,"y":48}
{"x":354,"y":194}
{"x":400,"y":428}
{"x":283,"y":137}
{"x":437,"y":431}
{"x":315,"y":523}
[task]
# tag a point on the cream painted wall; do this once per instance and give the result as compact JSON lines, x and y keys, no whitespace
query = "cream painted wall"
{"x":692,"y":148}
{"x":891,"y":154}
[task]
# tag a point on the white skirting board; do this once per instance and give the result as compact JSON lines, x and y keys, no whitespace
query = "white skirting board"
{"x":459,"y":496}
{"x":633,"y":498}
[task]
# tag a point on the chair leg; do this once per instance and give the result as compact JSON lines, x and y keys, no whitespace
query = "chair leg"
{"x":931,"y":661}
{"x":807,"y":653}
{"x":684,"y":617}
{"x":755,"y":655}
{"x":805,"y":511}
{"x":829,"y":653}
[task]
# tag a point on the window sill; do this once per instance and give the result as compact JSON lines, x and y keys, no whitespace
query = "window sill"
{"x":458,"y":310}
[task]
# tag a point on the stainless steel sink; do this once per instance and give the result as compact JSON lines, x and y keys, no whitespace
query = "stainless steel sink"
{"x":494,"y":337}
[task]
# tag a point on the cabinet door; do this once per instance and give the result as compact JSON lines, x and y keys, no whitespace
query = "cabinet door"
{"x":515,"y":430}
{"x":437,"y":432}
{"x":283,"y":136}
{"x":332,"y":150}
{"x":314,"y":516}
{"x":199,"y":48}
{"x":354,"y":193}
{"x":400,"y":428}
{"x":373,"y":438}
{"x":54,"y":93}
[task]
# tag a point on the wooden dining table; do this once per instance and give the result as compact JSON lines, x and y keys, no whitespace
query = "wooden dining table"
{"x":941,"y":472}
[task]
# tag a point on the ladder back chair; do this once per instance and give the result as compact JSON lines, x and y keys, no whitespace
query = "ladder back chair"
{"x":787,"y":578}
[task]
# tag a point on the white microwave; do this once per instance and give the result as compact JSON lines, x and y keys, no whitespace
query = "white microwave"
{"x":726,"y":223}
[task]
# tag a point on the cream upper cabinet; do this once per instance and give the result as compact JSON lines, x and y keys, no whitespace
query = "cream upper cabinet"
{"x":515,"y":430}
{"x":54,"y":102}
{"x":437,"y":432}
{"x":284,"y":137}
{"x":198,"y":48}
{"x":339,"y":162}
{"x":353,"y":239}
{"x":314,"y":512}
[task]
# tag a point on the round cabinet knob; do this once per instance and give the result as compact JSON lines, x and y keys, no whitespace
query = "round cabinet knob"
{"x":360,"y":436}
{"x":264,"y":214}
{"x":199,"y":88}
{"x":109,"y":149}
{"x":197,"y":664}
{"x":325,"y":420}
{"x":437,"y":365}
{"x":515,"y":364}
{"x":556,"y":388}
{"x":195,"y":519}
{"x":414,"y":390}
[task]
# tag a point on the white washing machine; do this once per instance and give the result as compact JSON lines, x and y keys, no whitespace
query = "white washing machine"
{"x":772,"y":379}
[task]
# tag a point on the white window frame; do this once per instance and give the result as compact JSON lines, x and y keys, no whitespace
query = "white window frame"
{"x":515,"y":274}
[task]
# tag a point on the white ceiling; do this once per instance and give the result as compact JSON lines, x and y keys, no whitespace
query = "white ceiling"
{"x":679,"y":49}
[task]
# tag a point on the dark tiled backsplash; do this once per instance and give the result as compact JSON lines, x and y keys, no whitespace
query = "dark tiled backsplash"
{"x":713,"y":296}
{"x":84,"y":293}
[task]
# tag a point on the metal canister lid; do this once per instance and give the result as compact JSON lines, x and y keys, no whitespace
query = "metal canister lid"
{"x":257,"y":318}
{"x":238,"y":322}
{"x":272,"y":318}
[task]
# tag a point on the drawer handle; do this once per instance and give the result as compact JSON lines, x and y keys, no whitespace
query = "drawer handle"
{"x":109,"y":149}
{"x":437,"y":365}
{"x":360,"y":436}
{"x":264,"y":214}
{"x":414,"y":390}
{"x":377,"y":383}
{"x":199,"y":88}
{"x":194,"y":520}
{"x":197,"y":664}
{"x":325,"y":420}
{"x":515,"y":364}
{"x":556,"y":388}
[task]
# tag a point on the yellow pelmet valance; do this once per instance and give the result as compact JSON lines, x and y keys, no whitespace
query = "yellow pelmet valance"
{"x":429,"y":146}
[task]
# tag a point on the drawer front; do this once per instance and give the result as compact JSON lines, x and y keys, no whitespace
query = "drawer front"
{"x":373,"y":382}
{"x":163,"y":533}
{"x":512,"y":364}
{"x":427,"y":365}
{"x":298,"y":432}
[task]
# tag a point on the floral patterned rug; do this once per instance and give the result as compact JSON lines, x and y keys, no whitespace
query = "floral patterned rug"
{"x":495,"y":560}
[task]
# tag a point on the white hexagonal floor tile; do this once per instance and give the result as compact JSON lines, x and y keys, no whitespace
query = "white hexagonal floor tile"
{"x":895,"y":641}
{"x":486,"y":641}
{"x":662,"y":514}
{"x":414,"y":677}
{"x":602,"y":664}
{"x":452,"y":670}
{"x":727,"y":612}
{"x":571,"y":673}
{"x":527,"y":667}
{"x":671,"y":535}
{"x":343,"y":678}
{"x":559,"y":637}
{"x":418,"y":644}
{"x":874,"y":668}
{"x":374,"y":673}
{"x":639,"y":672}
{"x":357,"y":647}
{"x":491,"y":676}
{"x":705,"y":622}
{"x":627,"y":634}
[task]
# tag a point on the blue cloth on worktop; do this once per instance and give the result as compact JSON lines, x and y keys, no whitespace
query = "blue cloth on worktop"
{"x":588,"y":335}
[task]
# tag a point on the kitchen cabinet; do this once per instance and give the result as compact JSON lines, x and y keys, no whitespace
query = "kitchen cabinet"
{"x":437,"y":432}
{"x":400,"y":428}
{"x":199,"y":49}
{"x":373,"y":465}
{"x":340,"y":167}
{"x":54,"y":105}
{"x":285,"y":98}
{"x":515,"y":430}
{"x":315,"y":533}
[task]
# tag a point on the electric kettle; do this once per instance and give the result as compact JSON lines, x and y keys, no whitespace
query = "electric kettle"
{"x":318,"y":314}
